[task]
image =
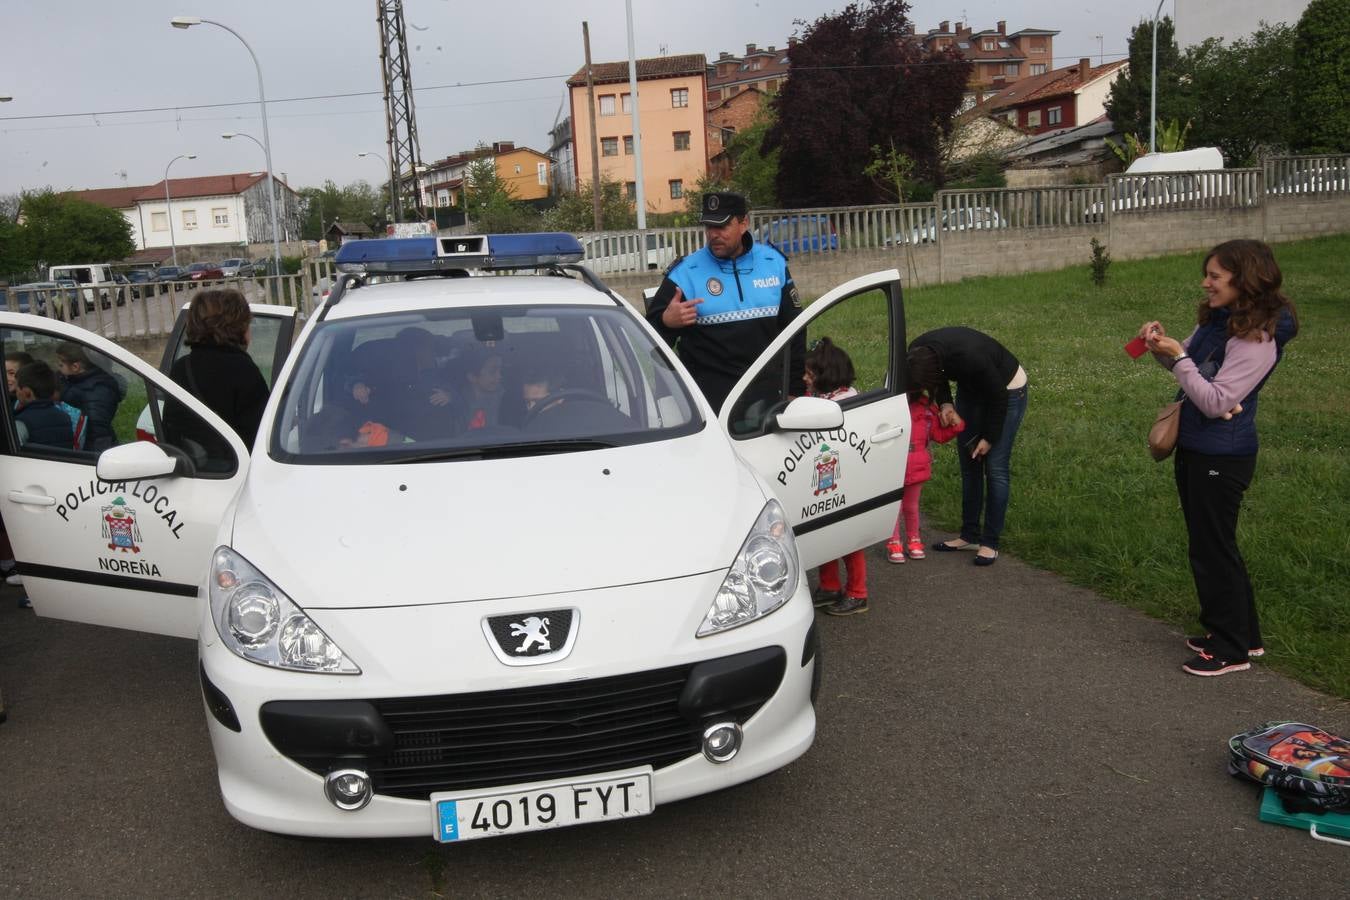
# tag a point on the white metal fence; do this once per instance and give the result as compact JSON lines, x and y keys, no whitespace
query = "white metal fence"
{"x":148,"y":310}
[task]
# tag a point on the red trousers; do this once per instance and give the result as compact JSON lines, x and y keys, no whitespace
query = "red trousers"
{"x":856,"y":565}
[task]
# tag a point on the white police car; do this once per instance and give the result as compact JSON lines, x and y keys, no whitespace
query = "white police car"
{"x":493,"y":565}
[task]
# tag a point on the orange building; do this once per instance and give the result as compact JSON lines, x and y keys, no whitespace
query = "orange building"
{"x":672,"y":99}
{"x":525,"y":171}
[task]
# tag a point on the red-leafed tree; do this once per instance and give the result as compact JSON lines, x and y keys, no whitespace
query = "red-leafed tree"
{"x":860,"y":80}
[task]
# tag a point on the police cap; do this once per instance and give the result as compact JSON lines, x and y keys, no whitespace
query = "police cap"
{"x":720,"y":206}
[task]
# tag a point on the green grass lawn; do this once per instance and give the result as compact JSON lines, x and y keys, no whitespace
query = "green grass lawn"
{"x":1089,"y":503}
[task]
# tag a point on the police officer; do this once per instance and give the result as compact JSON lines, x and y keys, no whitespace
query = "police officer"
{"x":721,"y":306}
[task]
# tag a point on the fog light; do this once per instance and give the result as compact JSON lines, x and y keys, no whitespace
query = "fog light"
{"x":722,"y":741}
{"x":348,"y":789}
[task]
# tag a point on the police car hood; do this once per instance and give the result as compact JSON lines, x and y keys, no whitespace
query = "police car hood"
{"x":402,"y":535}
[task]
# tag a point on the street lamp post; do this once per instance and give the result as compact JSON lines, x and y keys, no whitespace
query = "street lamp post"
{"x":188,"y":22}
{"x":168,"y":210}
{"x":391,"y":184}
{"x":234,"y":134}
{"x":1153,"y":83}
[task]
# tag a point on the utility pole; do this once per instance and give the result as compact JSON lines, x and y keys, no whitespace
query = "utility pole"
{"x":399,"y":116}
{"x":595,"y":142}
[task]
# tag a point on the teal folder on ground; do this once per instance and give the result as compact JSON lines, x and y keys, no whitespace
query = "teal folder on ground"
{"x":1329,"y":824}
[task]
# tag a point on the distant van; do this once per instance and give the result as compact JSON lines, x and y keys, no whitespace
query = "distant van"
{"x":1180,"y":187}
{"x":95,"y":280}
{"x":1200,"y":159}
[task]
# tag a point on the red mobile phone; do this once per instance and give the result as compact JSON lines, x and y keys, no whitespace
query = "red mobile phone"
{"x":1136,"y":348}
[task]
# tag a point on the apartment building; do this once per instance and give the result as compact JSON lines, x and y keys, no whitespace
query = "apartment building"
{"x":672,"y":108}
{"x":999,"y":58}
{"x":761,"y":69}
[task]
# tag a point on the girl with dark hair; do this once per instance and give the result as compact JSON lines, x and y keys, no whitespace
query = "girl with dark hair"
{"x":991,"y":399}
{"x":1242,"y":326}
{"x":829,"y":374}
{"x":217,"y":369}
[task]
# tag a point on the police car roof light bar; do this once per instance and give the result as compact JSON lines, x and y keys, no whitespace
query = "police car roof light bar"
{"x":426,"y":255}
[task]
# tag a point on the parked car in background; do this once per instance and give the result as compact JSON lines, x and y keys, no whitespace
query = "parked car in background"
{"x":619,"y":253}
{"x":166,"y":274}
{"x":35,"y":298}
{"x":237,"y":267}
{"x":140,"y":279}
{"x":799,"y":234}
{"x":204,"y":271}
{"x":961,"y":219}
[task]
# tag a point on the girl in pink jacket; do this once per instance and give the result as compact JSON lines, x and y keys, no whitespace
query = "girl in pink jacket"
{"x":925,"y":425}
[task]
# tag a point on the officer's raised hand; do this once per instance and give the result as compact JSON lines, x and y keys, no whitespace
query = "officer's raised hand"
{"x":680,"y":313}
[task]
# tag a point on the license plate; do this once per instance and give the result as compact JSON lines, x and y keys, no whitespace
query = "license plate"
{"x":535,"y":807}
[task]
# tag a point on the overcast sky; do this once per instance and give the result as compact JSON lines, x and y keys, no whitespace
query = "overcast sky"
{"x":482,"y":72}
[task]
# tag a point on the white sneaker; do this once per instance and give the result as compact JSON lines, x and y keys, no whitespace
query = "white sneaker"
{"x":14,"y":579}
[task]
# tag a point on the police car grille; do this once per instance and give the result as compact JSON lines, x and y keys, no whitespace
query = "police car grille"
{"x":460,"y":741}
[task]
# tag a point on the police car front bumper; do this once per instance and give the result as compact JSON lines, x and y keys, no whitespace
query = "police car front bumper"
{"x":289,"y":729}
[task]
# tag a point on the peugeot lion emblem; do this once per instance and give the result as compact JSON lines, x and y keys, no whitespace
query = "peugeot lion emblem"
{"x":532,"y":638}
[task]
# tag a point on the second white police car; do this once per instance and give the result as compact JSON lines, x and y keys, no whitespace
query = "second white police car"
{"x":493,"y":564}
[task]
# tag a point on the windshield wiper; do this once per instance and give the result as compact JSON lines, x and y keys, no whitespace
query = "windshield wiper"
{"x":499,"y":451}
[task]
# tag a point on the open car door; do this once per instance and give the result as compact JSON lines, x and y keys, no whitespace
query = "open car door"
{"x":271,"y":334}
{"x":128,"y":552}
{"x":840,"y":487}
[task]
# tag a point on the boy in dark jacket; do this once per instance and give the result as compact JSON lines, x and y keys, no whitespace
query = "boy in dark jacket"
{"x":92,"y":391}
{"x":43,"y":422}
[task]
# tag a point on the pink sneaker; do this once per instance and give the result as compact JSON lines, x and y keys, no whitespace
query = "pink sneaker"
{"x":916,"y":548}
{"x":895,"y":551}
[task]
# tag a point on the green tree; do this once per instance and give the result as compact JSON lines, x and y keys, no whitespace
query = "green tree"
{"x":357,"y":202}
{"x":58,"y":229}
{"x":575,"y":210}
{"x":1241,"y":95}
{"x":1321,"y":79}
{"x":754,"y":166}
{"x":892,"y":171}
{"x":1128,"y":102}
{"x":14,"y":264}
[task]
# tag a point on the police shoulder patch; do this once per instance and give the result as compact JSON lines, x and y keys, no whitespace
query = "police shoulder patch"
{"x":793,"y":295}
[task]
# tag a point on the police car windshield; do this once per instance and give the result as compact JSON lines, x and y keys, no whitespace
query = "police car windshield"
{"x":466,"y":383}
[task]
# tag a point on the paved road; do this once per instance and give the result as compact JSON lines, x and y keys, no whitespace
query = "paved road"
{"x":983,"y":733}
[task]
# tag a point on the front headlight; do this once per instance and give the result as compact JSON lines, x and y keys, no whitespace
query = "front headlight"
{"x":257,"y":621}
{"x":762,"y":578}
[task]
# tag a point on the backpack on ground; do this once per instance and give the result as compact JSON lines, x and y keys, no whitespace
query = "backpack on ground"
{"x":1301,"y":762}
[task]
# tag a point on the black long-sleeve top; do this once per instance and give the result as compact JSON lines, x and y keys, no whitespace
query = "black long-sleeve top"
{"x":981,"y":368}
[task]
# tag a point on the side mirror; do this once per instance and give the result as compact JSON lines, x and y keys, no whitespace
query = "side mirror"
{"x":141,"y":460}
{"x":809,"y":414}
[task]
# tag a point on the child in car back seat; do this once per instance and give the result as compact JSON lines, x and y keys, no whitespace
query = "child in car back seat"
{"x":483,"y":399}
{"x":39,"y":418}
{"x":829,"y":374}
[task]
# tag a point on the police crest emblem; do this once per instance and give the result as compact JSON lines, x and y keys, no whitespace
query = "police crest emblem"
{"x":825,"y":478}
{"x":120,"y":528}
{"x":715,"y":287}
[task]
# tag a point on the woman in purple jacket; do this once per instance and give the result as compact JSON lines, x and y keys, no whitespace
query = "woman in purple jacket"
{"x":1243,"y":324}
